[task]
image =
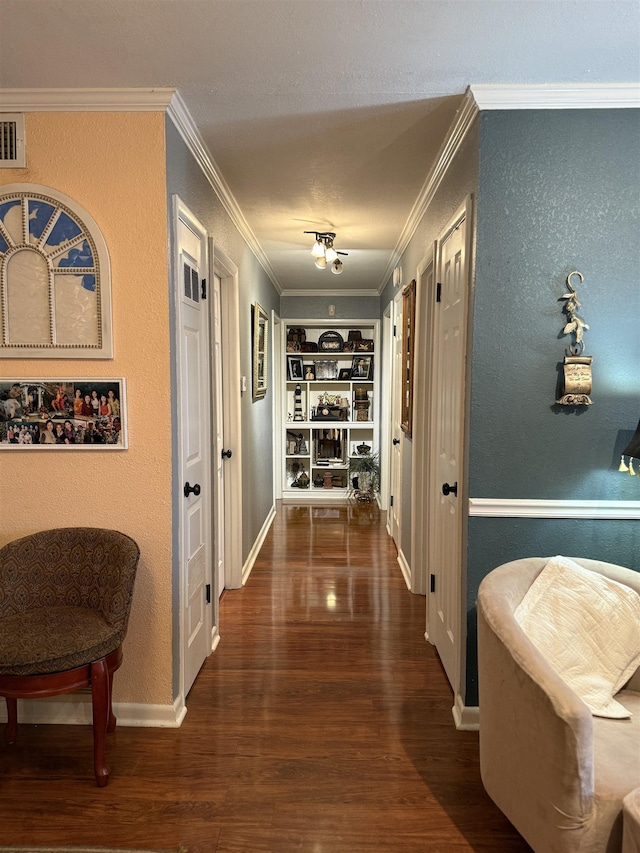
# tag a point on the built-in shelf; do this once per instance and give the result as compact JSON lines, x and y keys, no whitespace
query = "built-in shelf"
{"x":334,"y":396}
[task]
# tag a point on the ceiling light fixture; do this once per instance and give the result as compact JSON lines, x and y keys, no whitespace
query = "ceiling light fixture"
{"x":324,"y":252}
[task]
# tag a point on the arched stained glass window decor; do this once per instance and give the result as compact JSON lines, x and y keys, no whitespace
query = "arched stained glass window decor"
{"x":55,"y":287}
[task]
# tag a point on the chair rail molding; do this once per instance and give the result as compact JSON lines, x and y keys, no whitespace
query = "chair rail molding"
{"x":529,"y":508}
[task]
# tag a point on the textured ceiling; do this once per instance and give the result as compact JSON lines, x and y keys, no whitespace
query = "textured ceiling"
{"x":321,"y":114}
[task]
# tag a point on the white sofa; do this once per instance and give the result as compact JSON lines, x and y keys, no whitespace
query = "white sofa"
{"x":557,"y":772}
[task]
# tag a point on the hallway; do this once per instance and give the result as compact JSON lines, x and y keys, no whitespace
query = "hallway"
{"x":321,"y":724}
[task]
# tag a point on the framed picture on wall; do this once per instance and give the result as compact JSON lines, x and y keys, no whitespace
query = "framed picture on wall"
{"x":260,"y":351}
{"x":63,"y":414}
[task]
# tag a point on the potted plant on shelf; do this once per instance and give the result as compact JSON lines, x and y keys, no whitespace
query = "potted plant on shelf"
{"x":364,"y":476}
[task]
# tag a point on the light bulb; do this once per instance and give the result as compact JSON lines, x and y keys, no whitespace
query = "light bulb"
{"x":337,"y":267}
{"x":321,"y":263}
{"x":331,"y":254}
{"x":318,"y":249}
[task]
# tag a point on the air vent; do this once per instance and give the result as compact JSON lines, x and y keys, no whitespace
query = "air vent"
{"x":12,"y":150}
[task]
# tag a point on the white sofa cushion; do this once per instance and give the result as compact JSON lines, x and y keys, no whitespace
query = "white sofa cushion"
{"x":588,"y":628}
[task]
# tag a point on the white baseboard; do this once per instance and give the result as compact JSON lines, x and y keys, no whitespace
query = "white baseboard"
{"x":215,"y":638}
{"x":466,"y":717}
{"x":76,"y":710}
{"x":405,"y":568}
{"x":255,"y":550}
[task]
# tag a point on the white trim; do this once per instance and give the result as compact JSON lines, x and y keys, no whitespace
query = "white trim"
{"x":466,"y":717}
{"x":316,"y":292}
{"x":188,"y":130}
{"x":77,"y":710}
{"x":215,"y":638}
{"x":577,"y":96}
{"x":86,"y":100}
{"x":182,"y":214}
{"x":225,"y":268}
{"x":405,"y":568}
{"x":386,"y":366}
{"x":460,"y":126}
{"x":557,"y":96}
{"x":257,"y":545}
{"x":140,"y":100}
{"x":517,"y":508}
{"x":277,"y":350}
{"x":422,"y":401}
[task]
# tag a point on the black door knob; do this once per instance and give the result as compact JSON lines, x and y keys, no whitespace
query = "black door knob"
{"x":226,"y":454}
{"x":396,"y":441}
{"x":450,"y":490}
{"x":189,"y":489}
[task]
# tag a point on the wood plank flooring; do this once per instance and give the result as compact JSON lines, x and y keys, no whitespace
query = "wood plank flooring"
{"x":321,"y":724}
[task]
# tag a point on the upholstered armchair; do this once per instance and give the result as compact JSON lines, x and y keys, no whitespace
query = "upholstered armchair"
{"x":557,"y":772}
{"x":65,"y":599}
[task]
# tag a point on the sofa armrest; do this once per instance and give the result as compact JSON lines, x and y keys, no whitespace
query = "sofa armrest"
{"x":536,"y":735}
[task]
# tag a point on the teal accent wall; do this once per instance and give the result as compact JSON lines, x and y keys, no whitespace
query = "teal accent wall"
{"x":558,"y":191}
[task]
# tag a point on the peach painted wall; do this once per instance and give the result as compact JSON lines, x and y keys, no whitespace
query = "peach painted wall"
{"x":113,"y":165}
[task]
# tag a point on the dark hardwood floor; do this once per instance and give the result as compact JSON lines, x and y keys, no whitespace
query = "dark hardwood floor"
{"x":321,"y":724}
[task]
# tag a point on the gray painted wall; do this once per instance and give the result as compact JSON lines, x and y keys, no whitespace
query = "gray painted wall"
{"x":317,"y":307}
{"x":185,"y":179}
{"x":558,"y":191}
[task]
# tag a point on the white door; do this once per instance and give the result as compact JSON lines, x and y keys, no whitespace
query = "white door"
{"x":396,"y":431}
{"x":218,"y":437}
{"x":194,"y":428}
{"x":450,"y":340}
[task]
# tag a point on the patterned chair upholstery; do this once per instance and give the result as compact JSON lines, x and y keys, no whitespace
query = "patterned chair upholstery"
{"x":65,"y":599}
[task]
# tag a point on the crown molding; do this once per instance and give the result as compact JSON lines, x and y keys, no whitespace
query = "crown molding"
{"x":316,"y":293}
{"x":460,"y":126}
{"x":569,"y":96}
{"x":165,"y":100}
{"x":566,"y":96}
{"x":186,"y":127}
{"x":85,"y":100}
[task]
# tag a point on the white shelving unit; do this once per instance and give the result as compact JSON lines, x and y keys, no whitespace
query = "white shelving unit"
{"x":335,"y":412}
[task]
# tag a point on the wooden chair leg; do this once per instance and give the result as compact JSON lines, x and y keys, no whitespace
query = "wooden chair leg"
{"x":111,"y":725}
{"x":100,"y":698}
{"x":11,"y":730}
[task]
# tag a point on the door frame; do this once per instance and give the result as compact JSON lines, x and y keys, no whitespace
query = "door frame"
{"x":181,"y":213}
{"x":464,"y":211}
{"x":277,"y":350}
{"x":422,"y":420}
{"x":222,"y":266}
{"x":395,"y":411}
{"x":385,"y":409}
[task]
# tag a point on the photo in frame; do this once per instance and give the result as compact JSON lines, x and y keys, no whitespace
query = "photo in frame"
{"x":408,"y":347}
{"x":294,"y":368}
{"x":326,"y":369}
{"x":362,"y":367}
{"x":260,"y":351}
{"x":69,"y":414}
{"x":345,"y":374}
